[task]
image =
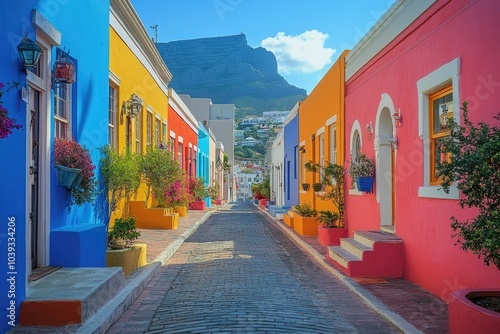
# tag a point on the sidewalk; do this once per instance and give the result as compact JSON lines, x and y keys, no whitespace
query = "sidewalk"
{"x":404,"y":304}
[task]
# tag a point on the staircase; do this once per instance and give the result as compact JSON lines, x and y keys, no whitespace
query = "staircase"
{"x":369,"y":254}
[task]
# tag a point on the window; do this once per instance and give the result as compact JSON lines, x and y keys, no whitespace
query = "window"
{"x":172,"y":146}
{"x":322,"y":150}
{"x":179,"y":154}
{"x":112,"y":115}
{"x":157,"y":132}
{"x":333,"y":143}
{"x":438,"y":98}
{"x":149,"y":130}
{"x":164,"y":133}
{"x":138,"y":132}
{"x":62,"y":111}
{"x":303,"y":161}
{"x":440,"y":109}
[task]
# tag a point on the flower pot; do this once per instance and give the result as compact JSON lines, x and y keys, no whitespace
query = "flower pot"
{"x":317,"y":186}
{"x":198,"y":205}
{"x":129,"y":258}
{"x":68,"y":177}
{"x":181,"y":210}
{"x":365,"y":184}
{"x":305,"y":226}
{"x":330,"y":236}
{"x":468,"y":317}
{"x":305,"y":186}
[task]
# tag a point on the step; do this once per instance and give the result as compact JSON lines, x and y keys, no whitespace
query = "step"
{"x":355,"y":247}
{"x":368,"y":238}
{"x":342,"y":256}
{"x":70,"y":295}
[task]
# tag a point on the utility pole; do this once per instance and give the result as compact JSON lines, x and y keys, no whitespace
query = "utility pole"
{"x":155,"y":28}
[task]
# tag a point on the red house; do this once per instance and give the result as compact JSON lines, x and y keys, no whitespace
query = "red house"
{"x":420,"y":58}
{"x":183,"y":133}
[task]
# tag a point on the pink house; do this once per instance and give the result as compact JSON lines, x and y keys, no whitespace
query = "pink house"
{"x":419,"y":55}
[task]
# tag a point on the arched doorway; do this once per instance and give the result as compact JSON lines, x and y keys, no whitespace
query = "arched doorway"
{"x":386,"y":158}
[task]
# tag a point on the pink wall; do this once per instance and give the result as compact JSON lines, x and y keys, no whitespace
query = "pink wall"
{"x":465,"y":29}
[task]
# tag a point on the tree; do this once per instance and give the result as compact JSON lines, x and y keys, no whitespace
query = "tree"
{"x":474,"y":165}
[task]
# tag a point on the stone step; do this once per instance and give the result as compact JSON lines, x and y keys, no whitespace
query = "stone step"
{"x":342,"y":256}
{"x":368,"y":238}
{"x":355,"y":247}
{"x":70,"y":295}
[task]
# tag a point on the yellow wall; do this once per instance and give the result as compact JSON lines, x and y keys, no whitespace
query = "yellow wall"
{"x":325,"y":101}
{"x":135,"y":78}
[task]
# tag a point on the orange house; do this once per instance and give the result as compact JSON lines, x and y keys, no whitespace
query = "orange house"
{"x":321,"y":130}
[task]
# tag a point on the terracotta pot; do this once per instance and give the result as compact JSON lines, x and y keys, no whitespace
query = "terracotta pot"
{"x":330,"y":236}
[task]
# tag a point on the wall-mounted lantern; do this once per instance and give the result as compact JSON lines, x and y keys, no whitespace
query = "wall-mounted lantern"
{"x":132,"y":106}
{"x":64,"y":69}
{"x":29,"y":52}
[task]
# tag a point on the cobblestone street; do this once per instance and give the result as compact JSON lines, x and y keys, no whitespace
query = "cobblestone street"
{"x":239,"y":273}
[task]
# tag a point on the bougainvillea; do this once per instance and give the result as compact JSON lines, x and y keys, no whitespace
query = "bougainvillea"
{"x":69,"y":153}
{"x":7,"y":124}
{"x":177,"y":194}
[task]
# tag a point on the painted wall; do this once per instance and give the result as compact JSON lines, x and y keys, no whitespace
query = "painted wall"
{"x":182,"y":127}
{"x":277,"y":170}
{"x":291,"y":160}
{"x":135,"y":69}
{"x":322,"y":109}
{"x":89,"y":48}
{"x":389,"y":80}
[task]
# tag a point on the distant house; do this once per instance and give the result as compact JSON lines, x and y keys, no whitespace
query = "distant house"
{"x":291,"y":157}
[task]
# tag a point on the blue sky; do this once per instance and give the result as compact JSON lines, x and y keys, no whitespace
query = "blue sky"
{"x":305,"y":36}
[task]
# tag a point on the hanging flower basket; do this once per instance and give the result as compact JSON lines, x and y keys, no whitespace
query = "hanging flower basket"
{"x":365,"y":184}
{"x":306,"y":186}
{"x":317,"y":186}
{"x":68,"y":177}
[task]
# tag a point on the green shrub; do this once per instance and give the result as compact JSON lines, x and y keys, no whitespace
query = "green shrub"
{"x":305,"y":210}
{"x":123,"y":234}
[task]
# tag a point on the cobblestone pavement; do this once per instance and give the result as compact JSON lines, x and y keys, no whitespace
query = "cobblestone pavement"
{"x":238,"y":273}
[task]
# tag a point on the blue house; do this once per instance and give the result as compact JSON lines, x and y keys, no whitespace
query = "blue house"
{"x":203,"y":159}
{"x":39,"y":228}
{"x":291,"y":161}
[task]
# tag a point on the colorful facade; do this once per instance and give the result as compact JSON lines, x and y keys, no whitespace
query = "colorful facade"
{"x":420,"y":54}
{"x":42,"y":229}
{"x":183,"y":133}
{"x":291,"y":157}
{"x":321,"y":124}
{"x":137,"y":74}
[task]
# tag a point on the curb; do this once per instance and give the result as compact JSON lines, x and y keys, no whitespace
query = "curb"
{"x":373,"y":302}
{"x":100,"y":322}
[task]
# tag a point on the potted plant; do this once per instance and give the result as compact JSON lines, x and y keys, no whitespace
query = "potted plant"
{"x":7,"y":124}
{"x":361,"y":172}
{"x":332,"y":226}
{"x":75,"y":170}
{"x":199,"y":192}
{"x":122,"y":252}
{"x":474,"y":167}
{"x":306,"y":186}
{"x":304,"y":219}
{"x":317,"y":186}
{"x":121,"y":175}
{"x":158,"y":171}
{"x":178,"y":197}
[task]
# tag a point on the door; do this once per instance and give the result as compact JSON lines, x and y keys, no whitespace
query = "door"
{"x":33,"y":189}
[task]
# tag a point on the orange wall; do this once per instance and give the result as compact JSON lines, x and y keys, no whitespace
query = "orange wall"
{"x":315,"y":113}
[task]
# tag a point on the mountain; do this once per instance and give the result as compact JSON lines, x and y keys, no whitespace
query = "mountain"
{"x":227,"y":70}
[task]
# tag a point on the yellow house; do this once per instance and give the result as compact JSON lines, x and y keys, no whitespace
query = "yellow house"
{"x":138,"y":87}
{"x":321,"y":130}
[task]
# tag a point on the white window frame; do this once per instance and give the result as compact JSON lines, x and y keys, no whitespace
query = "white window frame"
{"x":66,"y":104}
{"x":333,"y":143}
{"x":149,"y":128}
{"x":439,"y":78}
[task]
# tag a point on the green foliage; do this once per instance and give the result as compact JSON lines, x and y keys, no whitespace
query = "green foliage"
{"x":123,"y":234}
{"x":329,"y":219}
{"x":332,"y":178}
{"x":475,"y":167}
{"x":213,"y":191}
{"x":305,"y":210}
{"x":121,"y":174}
{"x":197,"y":188}
{"x":158,"y":170}
{"x":361,"y":167}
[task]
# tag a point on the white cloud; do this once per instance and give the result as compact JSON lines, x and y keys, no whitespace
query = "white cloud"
{"x":304,"y":53}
